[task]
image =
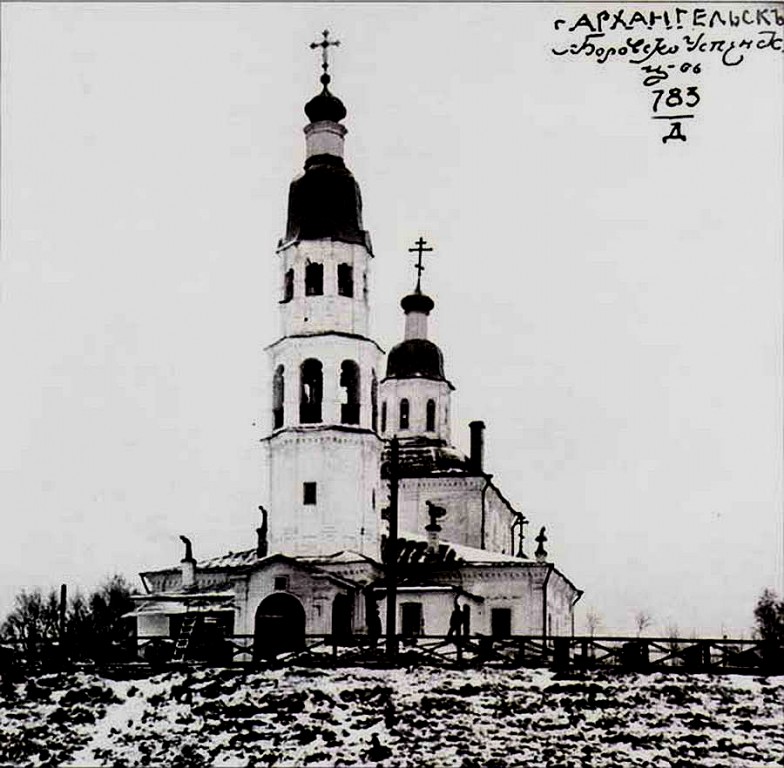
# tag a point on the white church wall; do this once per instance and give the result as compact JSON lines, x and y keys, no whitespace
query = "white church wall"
{"x":560,"y":605}
{"x":346,"y":513}
{"x":152,"y":625}
{"x":328,"y":311}
{"x":417,"y":392}
{"x":516,"y":588}
{"x":437,"y":606}
{"x":330,"y":351}
{"x":498,"y":522}
{"x":315,"y":595}
{"x":461,"y":496}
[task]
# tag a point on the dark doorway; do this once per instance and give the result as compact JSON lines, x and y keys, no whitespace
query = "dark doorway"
{"x":411,"y":619}
{"x":342,"y":613}
{"x":501,"y":622}
{"x":280,"y":626}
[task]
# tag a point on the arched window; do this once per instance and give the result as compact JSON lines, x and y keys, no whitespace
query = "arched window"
{"x":349,"y":380}
{"x":383,"y":417}
{"x":430,"y":416}
{"x":373,"y":401}
{"x":345,"y":280}
{"x":314,"y":279}
{"x":278,"y":392}
{"x":288,"y":286}
{"x":310,"y":391}
{"x":404,"y":413}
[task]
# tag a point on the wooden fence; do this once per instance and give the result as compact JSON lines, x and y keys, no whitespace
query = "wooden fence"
{"x":639,"y":654}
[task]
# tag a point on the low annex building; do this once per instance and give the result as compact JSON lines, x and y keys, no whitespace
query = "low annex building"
{"x":337,"y":404}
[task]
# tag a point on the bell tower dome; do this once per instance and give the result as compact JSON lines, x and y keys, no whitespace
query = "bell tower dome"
{"x":415,"y":393}
{"x":323,"y":448}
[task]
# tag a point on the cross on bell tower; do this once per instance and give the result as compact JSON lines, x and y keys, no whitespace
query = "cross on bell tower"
{"x":324,"y":45}
{"x":419,"y":248}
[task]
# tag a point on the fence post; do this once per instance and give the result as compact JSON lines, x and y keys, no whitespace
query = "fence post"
{"x":561,"y":655}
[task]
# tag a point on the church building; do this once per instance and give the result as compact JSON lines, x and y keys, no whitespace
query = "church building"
{"x":350,"y":427}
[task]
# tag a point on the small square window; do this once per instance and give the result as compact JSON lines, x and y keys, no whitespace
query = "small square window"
{"x":281,"y":582}
{"x":308,"y":493}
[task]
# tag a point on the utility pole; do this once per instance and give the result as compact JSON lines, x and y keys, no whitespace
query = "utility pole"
{"x":61,"y":619}
{"x":390,"y":555}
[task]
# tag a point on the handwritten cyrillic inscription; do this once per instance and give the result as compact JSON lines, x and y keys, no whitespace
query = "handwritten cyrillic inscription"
{"x":671,"y":48}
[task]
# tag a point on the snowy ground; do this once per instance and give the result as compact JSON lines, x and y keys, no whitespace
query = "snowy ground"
{"x":421,"y":717}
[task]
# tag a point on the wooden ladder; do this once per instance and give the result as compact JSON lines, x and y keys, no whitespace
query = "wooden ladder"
{"x":186,"y":635}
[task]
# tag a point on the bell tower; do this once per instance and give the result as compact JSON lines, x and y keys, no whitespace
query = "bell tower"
{"x":324,"y":451}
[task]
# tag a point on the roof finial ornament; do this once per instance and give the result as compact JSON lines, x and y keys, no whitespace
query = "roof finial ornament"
{"x":324,"y":45}
{"x":419,"y":248}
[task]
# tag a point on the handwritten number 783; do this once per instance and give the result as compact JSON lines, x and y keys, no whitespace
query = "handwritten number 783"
{"x":673,"y":97}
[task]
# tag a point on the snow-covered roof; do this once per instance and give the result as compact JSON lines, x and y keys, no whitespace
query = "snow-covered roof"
{"x":472,"y":555}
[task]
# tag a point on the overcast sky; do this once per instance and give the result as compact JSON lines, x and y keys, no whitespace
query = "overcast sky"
{"x":610,"y":306}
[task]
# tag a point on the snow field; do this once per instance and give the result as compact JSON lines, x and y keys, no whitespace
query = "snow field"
{"x":398,"y":717}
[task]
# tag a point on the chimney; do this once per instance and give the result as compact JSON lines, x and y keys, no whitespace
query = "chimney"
{"x":477,"y":445}
{"x":188,"y":568}
{"x":188,"y":564}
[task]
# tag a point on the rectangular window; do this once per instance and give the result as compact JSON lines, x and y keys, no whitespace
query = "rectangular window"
{"x":281,"y":582}
{"x":501,"y":622}
{"x":404,"y":410}
{"x":308,"y":493}
{"x":411,"y":619}
{"x":288,"y":286}
{"x":345,"y":280}
{"x":314,"y":279}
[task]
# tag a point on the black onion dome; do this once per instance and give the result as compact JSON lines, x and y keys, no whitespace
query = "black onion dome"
{"x":325,"y":106}
{"x":325,"y":202}
{"x":415,"y":358}
{"x":417,"y":302}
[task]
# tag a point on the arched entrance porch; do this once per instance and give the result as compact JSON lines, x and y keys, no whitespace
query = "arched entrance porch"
{"x":279,"y":626}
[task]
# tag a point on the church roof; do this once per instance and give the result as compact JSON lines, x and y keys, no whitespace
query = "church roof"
{"x":464,"y":555}
{"x":415,"y":358}
{"x":325,"y":202}
{"x":325,"y":106}
{"x":424,"y":456}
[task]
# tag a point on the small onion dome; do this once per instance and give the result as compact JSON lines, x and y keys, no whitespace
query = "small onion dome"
{"x":325,"y":106}
{"x":417,"y":302}
{"x":415,"y":358}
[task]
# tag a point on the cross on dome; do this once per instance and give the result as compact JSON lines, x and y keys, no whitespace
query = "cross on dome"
{"x":324,"y":45}
{"x":419,"y":248}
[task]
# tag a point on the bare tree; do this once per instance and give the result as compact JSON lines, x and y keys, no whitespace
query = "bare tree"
{"x":769,"y":616}
{"x":33,"y":621}
{"x":593,"y":620}
{"x":673,"y":634}
{"x":94,"y":627}
{"x":642,"y":620}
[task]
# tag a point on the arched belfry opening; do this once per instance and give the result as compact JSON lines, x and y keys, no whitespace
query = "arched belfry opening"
{"x":349,"y":381}
{"x":278,"y":393}
{"x":279,"y":626}
{"x":311,"y":391}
